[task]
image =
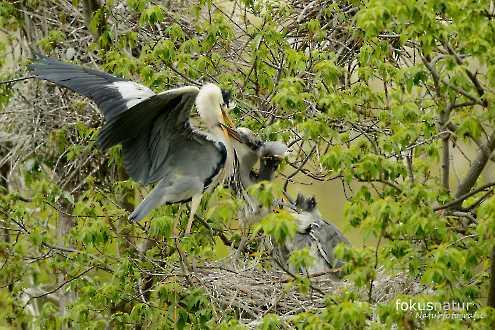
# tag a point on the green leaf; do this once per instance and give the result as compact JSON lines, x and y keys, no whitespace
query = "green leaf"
{"x":470,"y":127}
{"x":137,"y":5}
{"x":151,"y":15}
{"x":281,"y":225}
{"x":161,"y":227}
{"x":220,"y":250}
{"x":301,"y":259}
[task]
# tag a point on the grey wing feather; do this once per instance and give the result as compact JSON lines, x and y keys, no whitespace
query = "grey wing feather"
{"x":154,"y":130}
{"x":138,"y":120}
{"x":158,"y":141}
{"x":112,"y":95}
{"x":327,"y":236}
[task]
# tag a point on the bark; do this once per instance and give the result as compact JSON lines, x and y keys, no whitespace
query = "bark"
{"x":444,"y":119}
{"x":65,"y":224}
{"x":446,"y":162}
{"x":491,"y":293}
{"x":478,"y":165}
{"x":442,"y":123}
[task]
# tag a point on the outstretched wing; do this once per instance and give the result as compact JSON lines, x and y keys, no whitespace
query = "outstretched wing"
{"x":112,"y":95}
{"x":157,"y":139}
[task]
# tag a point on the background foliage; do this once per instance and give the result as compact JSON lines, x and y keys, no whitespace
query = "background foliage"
{"x":395,"y":99}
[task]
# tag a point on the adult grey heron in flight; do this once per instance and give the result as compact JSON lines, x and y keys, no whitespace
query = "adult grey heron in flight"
{"x":159,"y":144}
{"x":314,"y":233}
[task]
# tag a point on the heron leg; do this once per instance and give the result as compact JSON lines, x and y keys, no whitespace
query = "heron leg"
{"x":175,"y":237}
{"x":196,"y":199}
{"x":174,"y":228}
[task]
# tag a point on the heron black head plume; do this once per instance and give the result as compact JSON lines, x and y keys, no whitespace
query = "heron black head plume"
{"x":304,"y":203}
{"x":226,"y":95}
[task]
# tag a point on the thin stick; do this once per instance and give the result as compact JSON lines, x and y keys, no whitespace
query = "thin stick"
{"x":463,"y":197}
{"x":60,"y":285}
{"x":16,"y":80}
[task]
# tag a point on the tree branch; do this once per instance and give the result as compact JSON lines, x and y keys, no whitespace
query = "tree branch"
{"x":442,"y":122}
{"x":460,"y":199}
{"x":471,"y":75}
{"x":437,"y":79}
{"x":61,"y":285}
{"x":15,"y":80}
{"x":478,"y":165}
{"x":444,"y":118}
{"x":491,"y":292}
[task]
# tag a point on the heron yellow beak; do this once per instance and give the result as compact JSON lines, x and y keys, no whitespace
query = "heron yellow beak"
{"x":229,"y":126}
{"x":226,"y":118}
{"x":230,"y":132}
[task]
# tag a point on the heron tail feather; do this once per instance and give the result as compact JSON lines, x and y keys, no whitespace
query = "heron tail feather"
{"x":149,"y":203}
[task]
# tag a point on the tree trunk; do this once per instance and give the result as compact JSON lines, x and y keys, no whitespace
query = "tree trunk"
{"x":491,"y":293}
{"x":65,"y":224}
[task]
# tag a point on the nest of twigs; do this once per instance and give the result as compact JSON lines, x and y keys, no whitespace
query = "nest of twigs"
{"x":248,"y":289}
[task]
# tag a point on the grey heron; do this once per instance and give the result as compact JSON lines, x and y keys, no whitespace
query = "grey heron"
{"x":314,"y":233}
{"x":159,"y":144}
{"x":318,"y":235}
{"x":249,"y":150}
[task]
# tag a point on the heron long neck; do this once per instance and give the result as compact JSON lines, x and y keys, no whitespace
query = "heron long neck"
{"x":228,"y":169}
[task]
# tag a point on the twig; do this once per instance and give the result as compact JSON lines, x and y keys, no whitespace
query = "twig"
{"x":471,"y":76}
{"x":293,"y":174}
{"x":296,"y":277}
{"x":59,"y":286}
{"x":73,"y":215}
{"x":463,"y":197}
{"x":409,"y":162}
{"x":16,"y":80}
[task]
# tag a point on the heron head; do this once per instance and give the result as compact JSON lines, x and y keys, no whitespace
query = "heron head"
{"x":226,"y":94}
{"x":247,"y":137}
{"x":272,"y":154}
{"x":305,"y":203}
{"x":212,"y":104}
{"x":225,"y":108}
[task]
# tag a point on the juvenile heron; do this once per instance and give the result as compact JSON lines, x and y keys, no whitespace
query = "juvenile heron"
{"x":314,"y":233}
{"x":159,"y":145}
{"x":249,"y":150}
